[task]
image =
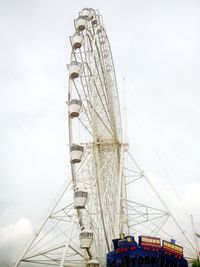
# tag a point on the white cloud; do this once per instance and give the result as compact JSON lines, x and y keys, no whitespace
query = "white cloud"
{"x":191,"y":198}
{"x":12,"y":240}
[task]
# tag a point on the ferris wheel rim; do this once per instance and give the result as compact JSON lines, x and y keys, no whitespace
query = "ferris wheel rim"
{"x":109,"y":102}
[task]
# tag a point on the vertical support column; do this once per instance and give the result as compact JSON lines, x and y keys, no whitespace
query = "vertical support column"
{"x":120,"y":194}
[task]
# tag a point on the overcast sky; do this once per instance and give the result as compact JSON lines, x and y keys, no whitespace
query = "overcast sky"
{"x":155,"y":45}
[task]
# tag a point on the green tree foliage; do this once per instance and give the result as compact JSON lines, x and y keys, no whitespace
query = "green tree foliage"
{"x":196,"y":263}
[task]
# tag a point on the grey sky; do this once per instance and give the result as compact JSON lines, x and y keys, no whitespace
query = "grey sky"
{"x":155,"y":45}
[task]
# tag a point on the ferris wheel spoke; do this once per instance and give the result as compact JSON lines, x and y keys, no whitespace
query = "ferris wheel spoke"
{"x":102,"y":83}
{"x":105,"y":108}
{"x":101,"y":102}
{"x":96,"y":112}
{"x":83,"y":163}
{"x":85,"y":88}
{"x":102,"y":70}
{"x":88,"y":112}
{"x":86,"y":127}
{"x":76,"y":88}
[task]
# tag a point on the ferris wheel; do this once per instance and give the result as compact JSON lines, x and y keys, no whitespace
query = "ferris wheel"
{"x":80,"y":233}
{"x":94,"y":207}
{"x":95,"y":135}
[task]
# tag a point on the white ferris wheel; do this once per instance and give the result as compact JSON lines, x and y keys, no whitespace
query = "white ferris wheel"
{"x":95,"y":139}
{"x":94,"y":207}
